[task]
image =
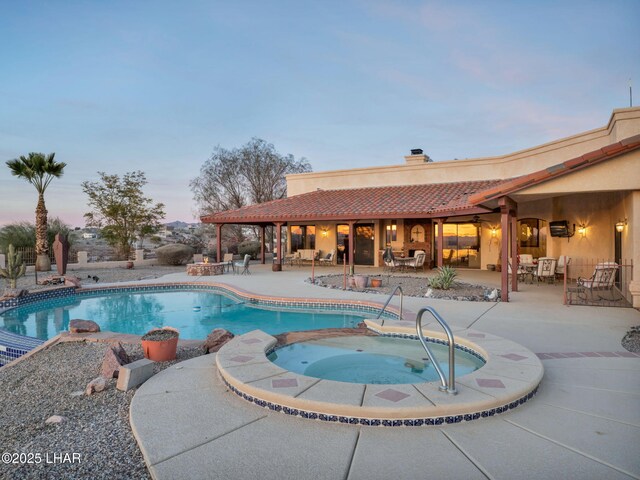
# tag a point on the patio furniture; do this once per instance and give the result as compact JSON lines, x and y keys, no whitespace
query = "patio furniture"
{"x":244,"y":265}
{"x":526,"y":258}
{"x":546,"y":270}
{"x":328,"y":260}
{"x":562,"y":261}
{"x":307,"y":255}
{"x":522,"y":271}
{"x":389,"y":260}
{"x":227,"y":259}
{"x":417,"y":261}
{"x":602,"y":280}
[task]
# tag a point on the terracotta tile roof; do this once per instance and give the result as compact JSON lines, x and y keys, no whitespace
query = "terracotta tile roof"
{"x":513,"y":185}
{"x":409,"y":201}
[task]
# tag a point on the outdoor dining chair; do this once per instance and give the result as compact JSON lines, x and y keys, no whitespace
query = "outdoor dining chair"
{"x":227,"y":259}
{"x":244,"y":265}
{"x":546,"y":270}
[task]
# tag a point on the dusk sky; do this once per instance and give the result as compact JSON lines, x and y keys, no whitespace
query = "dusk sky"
{"x":130,"y":85}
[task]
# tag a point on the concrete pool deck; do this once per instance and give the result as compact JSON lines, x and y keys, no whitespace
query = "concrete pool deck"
{"x":583,"y":423}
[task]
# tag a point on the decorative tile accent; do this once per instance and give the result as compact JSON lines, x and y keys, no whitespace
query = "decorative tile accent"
{"x":284,"y":383}
{"x":514,"y":356}
{"x":392,"y":395}
{"x":489,"y":383}
{"x":241,"y":358}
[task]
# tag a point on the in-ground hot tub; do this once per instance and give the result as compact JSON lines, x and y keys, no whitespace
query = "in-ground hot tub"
{"x":373,"y":360}
{"x":509,"y":378}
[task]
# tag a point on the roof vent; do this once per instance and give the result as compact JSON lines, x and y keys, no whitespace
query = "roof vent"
{"x":416,"y":151}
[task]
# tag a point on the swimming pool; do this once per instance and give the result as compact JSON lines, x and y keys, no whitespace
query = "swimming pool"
{"x":195,"y":313}
{"x":372,"y":360}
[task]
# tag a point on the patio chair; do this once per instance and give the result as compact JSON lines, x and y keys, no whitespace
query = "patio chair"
{"x":562,"y":261}
{"x":417,"y":261}
{"x":526,"y":258}
{"x":389,"y":260}
{"x":522,"y":272}
{"x":244,"y":265}
{"x":227,"y":259}
{"x":603,"y":279}
{"x":546,"y":270}
{"x":328,"y":259}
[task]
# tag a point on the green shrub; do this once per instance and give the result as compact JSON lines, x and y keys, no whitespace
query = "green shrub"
{"x":444,"y":279}
{"x":176,"y":254}
{"x":15,"y":267}
{"x":23,"y":234}
{"x":249,"y":247}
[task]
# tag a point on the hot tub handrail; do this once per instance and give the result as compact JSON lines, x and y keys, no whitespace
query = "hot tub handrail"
{"x":393,"y":292}
{"x":451,"y":386}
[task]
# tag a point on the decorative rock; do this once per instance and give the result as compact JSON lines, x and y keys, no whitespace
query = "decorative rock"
{"x":216,"y":339}
{"x":14,"y":292}
{"x":71,"y":281}
{"x":55,"y":419}
{"x":96,"y":385}
{"x":114,"y":358}
{"x":83,"y":326}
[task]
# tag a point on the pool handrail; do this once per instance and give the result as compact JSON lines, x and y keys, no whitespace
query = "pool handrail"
{"x":393,"y":292}
{"x":445,"y":387}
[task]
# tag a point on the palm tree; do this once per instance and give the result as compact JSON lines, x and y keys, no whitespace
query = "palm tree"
{"x":39,"y":169}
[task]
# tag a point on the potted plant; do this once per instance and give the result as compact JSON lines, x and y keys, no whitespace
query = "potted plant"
{"x":376,"y":282}
{"x":160,"y":344}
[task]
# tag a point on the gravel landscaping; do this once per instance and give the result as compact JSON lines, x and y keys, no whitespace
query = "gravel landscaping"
{"x":631,"y":340}
{"x":104,"y":275}
{"x":96,"y":427}
{"x":417,"y":287}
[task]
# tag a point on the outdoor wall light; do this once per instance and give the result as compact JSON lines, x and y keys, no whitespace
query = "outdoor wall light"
{"x":494,"y":232}
{"x":325,"y":232}
{"x":620,"y":225}
{"x":582,"y":230}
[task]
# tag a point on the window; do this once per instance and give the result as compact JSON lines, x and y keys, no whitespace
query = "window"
{"x":303,"y":237}
{"x":391,"y":232}
{"x":529,"y":233}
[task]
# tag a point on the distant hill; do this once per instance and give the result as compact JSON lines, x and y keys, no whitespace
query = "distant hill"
{"x":179,"y":224}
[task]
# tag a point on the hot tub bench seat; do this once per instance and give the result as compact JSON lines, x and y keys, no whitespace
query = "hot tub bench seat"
{"x":509,"y":378}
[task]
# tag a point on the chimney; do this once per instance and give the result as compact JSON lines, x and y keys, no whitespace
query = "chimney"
{"x":417,"y":157}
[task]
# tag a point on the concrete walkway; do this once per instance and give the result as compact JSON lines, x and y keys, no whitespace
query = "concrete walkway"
{"x":583,"y":424}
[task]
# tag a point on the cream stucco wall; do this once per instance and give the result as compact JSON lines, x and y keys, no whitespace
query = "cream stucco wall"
{"x":624,"y":123}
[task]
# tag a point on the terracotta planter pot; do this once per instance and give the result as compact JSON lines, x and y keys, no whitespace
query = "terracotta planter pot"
{"x":160,"y":350}
{"x":376,"y":282}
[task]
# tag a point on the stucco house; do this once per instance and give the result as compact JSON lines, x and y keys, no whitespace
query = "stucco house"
{"x":473,"y":213}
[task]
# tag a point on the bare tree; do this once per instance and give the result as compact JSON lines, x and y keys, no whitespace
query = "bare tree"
{"x":253,"y":173}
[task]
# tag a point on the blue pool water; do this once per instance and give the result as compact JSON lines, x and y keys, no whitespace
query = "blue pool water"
{"x":194,"y":313}
{"x":359,"y":359}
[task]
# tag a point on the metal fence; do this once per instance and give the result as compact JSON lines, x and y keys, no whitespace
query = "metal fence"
{"x":29,"y":256}
{"x":598,"y":282}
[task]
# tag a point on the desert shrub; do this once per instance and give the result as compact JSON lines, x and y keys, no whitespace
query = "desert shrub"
{"x":175,"y":254}
{"x":444,"y":279}
{"x":23,"y":234}
{"x":249,"y":247}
